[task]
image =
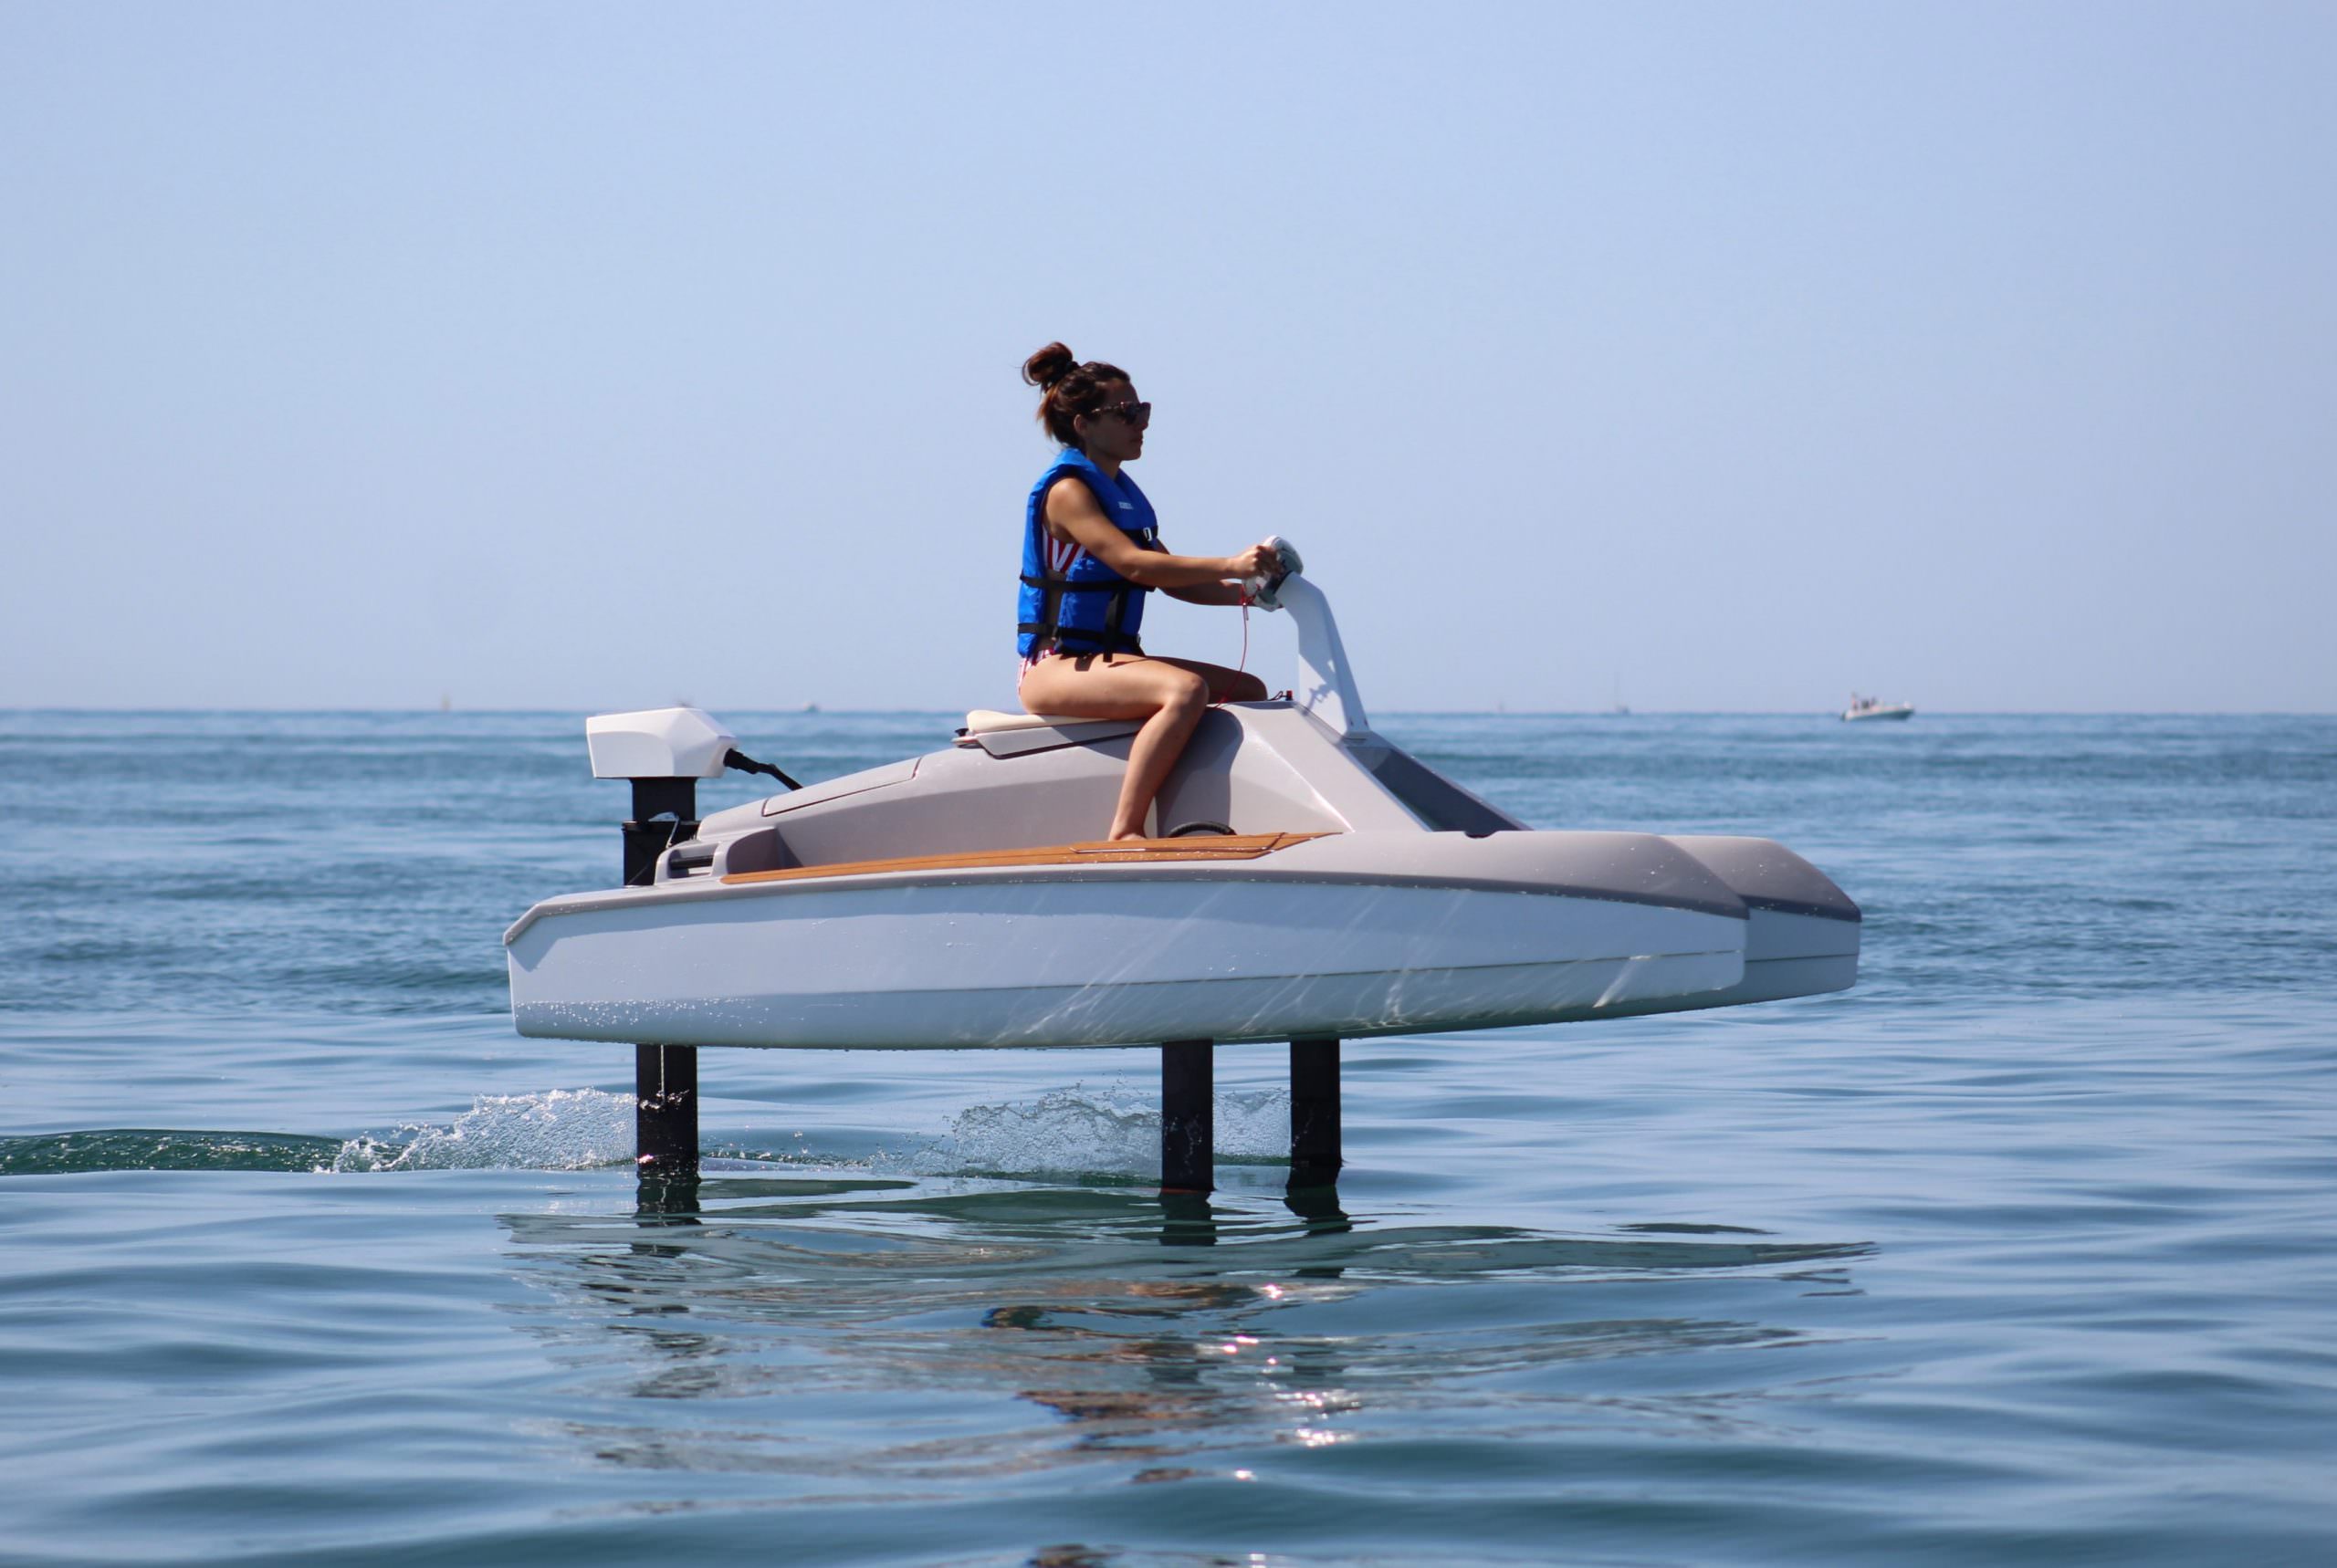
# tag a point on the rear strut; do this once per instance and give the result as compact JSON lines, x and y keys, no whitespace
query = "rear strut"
{"x":665,"y":1077}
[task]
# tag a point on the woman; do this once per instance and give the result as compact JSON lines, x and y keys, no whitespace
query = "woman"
{"x":1090,"y":554}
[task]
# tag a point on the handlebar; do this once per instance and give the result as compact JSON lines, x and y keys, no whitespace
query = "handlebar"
{"x":1265,"y":591}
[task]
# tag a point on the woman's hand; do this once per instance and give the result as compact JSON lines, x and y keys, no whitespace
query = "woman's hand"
{"x":1258,"y":560}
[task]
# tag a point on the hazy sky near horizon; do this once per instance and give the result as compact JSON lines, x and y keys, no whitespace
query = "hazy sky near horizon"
{"x":594,"y":356}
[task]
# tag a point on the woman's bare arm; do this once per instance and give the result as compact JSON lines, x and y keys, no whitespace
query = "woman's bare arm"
{"x":1207,"y":593}
{"x":1073,"y":514}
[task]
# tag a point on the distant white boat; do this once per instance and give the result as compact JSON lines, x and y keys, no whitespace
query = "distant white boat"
{"x":1875,"y":708}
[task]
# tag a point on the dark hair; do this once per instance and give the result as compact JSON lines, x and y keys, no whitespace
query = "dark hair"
{"x":1070,"y":387}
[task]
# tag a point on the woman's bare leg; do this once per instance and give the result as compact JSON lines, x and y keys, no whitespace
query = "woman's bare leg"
{"x":1162,"y":741}
{"x":1224,"y":685}
{"x":1169,"y":695}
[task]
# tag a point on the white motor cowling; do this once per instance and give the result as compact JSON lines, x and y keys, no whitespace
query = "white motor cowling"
{"x":657,"y":743}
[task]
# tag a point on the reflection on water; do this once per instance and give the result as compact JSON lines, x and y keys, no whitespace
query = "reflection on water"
{"x":1168,"y":1333}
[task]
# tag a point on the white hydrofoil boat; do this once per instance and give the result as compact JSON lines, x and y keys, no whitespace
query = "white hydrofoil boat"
{"x":1305,"y":877}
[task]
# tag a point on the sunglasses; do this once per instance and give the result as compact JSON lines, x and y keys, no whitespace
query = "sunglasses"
{"x":1137,"y":414}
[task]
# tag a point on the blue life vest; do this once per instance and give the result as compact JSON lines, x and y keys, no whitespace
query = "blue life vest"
{"x":1069,"y":599}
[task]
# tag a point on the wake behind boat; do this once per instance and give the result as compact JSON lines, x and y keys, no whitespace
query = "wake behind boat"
{"x":1303,"y":877}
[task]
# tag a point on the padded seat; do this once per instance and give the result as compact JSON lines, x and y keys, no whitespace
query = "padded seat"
{"x":989,"y":721}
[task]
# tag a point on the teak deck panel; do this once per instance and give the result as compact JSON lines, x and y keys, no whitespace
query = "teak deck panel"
{"x":1123,"y":852}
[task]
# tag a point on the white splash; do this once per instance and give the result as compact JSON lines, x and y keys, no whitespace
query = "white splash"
{"x":559,"y":1130}
{"x":1071,"y":1131}
{"x":1080,"y":1131}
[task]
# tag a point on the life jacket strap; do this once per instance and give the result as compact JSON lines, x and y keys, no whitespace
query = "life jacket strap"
{"x":1068,"y":586}
{"x":1112,"y":642}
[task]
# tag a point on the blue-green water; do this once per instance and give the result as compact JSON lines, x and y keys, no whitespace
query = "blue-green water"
{"x":2024,"y":1251}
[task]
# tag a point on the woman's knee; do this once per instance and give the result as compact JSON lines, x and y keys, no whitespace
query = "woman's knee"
{"x":1185,"y":692}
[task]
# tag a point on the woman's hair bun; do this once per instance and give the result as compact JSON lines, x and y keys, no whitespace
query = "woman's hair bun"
{"x":1049,"y":365}
{"x":1068,"y":389}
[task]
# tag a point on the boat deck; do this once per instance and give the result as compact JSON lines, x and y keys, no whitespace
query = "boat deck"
{"x":1118,"y":851}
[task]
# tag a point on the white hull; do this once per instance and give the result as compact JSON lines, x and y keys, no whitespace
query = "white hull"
{"x":932,"y":904}
{"x":1786,"y":954}
{"x":1870,"y":715}
{"x":1001,"y":961}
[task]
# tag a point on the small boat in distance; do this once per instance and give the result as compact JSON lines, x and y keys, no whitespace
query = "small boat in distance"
{"x":1875,"y":708}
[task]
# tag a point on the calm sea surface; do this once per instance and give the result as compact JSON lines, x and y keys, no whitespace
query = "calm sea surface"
{"x":2023,"y":1251}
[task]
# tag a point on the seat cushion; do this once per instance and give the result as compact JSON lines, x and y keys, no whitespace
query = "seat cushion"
{"x":986,"y":721}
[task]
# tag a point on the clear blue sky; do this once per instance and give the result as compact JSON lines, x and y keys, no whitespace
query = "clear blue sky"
{"x":591,"y":356}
